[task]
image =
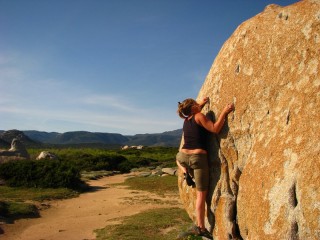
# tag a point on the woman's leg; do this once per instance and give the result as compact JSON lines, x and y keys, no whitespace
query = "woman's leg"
{"x":200,"y":208}
{"x":201,"y":175}
{"x":186,"y":174}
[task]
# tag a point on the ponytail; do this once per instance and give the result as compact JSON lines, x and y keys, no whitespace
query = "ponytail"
{"x":185,"y":108}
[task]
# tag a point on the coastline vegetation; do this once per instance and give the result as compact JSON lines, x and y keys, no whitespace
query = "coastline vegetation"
{"x":30,"y":183}
{"x":39,"y":180}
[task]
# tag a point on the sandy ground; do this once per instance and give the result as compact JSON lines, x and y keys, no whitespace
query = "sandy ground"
{"x":77,"y":218}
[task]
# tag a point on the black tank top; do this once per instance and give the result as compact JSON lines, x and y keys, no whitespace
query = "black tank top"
{"x":194,"y":135}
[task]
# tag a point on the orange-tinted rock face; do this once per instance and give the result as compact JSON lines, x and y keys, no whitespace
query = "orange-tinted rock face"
{"x":265,"y":164}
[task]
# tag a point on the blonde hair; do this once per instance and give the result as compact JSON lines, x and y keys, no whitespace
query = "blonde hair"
{"x":185,"y":108}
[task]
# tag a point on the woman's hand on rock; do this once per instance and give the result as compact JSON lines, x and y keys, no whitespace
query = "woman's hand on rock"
{"x":204,"y":101}
{"x":229,"y":108}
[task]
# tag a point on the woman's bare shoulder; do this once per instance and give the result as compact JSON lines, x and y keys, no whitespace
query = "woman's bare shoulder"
{"x":199,"y":117}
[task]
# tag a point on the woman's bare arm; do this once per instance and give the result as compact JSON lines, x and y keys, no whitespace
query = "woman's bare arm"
{"x":214,"y":127}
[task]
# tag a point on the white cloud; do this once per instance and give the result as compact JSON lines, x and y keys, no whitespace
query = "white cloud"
{"x":109,"y":101}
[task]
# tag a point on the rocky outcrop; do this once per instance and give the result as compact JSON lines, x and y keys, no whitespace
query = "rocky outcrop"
{"x":265,"y":168}
{"x":47,"y":155}
{"x":17,"y":151}
{"x":158,"y":171}
{"x":8,"y":136}
{"x":169,"y":171}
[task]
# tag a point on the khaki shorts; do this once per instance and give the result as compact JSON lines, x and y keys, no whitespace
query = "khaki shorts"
{"x":198,"y":163}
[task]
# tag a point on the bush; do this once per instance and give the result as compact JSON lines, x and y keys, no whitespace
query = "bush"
{"x":125,"y":166}
{"x":42,"y":174}
{"x":3,"y":209}
{"x":99,"y":162}
{"x":18,"y":210}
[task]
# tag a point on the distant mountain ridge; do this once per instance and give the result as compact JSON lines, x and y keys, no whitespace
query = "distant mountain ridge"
{"x":76,"y":137}
{"x":32,"y":137}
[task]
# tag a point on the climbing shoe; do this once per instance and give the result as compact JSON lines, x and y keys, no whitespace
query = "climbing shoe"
{"x":201,"y":232}
{"x":189,"y":180}
{"x":205,"y":233}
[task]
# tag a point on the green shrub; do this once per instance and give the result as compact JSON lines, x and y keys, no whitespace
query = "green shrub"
{"x":98,"y":162}
{"x":18,"y":210}
{"x":42,"y":174}
{"x":102,"y":159}
{"x":3,"y":209}
{"x":126,"y":166}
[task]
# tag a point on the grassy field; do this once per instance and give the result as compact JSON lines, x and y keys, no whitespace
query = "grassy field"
{"x":35,"y":194}
{"x":156,"y":224}
{"x":155,"y":184}
{"x":21,"y":202}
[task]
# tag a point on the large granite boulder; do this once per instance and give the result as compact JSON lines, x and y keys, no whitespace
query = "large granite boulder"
{"x":265,"y":164}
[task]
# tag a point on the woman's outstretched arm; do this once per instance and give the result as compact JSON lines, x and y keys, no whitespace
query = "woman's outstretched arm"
{"x":214,"y":127}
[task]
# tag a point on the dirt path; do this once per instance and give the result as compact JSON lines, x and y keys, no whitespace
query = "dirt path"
{"x":76,"y":218}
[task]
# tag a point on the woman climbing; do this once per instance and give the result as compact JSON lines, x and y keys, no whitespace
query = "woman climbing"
{"x":193,"y":154}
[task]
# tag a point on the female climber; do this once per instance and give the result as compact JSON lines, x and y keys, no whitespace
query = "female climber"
{"x":192,"y":157}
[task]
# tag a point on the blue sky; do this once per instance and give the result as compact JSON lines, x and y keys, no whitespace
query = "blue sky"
{"x":117,"y":66}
